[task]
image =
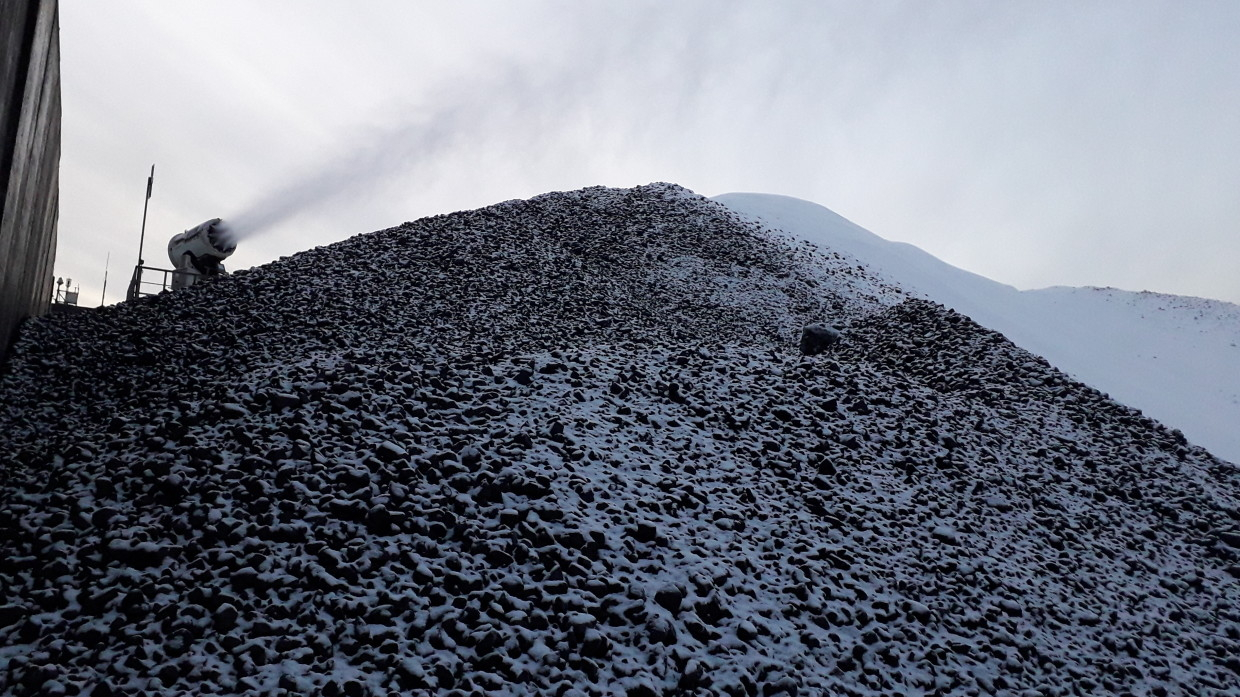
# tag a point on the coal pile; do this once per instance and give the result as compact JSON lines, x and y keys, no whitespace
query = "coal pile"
{"x":571,"y":446}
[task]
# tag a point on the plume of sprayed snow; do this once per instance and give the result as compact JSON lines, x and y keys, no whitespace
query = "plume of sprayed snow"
{"x":347,"y":179}
{"x":519,"y":115}
{"x":419,"y":141}
{"x":225,"y":233}
{"x":523,"y":114}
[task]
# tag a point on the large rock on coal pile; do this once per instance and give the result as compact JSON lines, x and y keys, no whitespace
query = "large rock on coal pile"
{"x":570,"y":446}
{"x":818,"y":337}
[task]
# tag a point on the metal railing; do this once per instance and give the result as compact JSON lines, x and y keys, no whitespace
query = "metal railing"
{"x":140,"y":287}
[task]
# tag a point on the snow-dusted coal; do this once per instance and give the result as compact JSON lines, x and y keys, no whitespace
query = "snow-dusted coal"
{"x":571,"y":446}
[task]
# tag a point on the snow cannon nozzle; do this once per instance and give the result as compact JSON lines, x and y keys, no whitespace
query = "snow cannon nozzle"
{"x":200,"y":251}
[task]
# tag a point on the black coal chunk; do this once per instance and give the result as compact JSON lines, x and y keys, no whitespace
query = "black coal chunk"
{"x":816,"y":338}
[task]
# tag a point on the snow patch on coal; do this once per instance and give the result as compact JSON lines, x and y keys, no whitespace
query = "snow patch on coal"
{"x":1176,"y":358}
{"x":570,"y":446}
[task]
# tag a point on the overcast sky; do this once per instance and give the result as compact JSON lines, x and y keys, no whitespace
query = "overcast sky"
{"x":1036,"y":143}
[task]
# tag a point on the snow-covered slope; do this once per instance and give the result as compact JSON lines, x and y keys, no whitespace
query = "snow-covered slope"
{"x":568,"y":446}
{"x":1175,"y":358}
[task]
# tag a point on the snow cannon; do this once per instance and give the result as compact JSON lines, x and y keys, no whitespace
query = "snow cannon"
{"x":200,"y":251}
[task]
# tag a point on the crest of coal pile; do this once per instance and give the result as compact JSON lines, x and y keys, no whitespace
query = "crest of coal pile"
{"x":570,"y":446}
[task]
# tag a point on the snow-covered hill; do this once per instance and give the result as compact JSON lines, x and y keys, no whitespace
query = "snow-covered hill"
{"x":1175,"y":358}
{"x":569,"y":446}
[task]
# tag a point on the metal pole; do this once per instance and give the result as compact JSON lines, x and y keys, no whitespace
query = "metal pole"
{"x":150,"y":183}
{"x":103,"y":299}
{"x":135,"y":283}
